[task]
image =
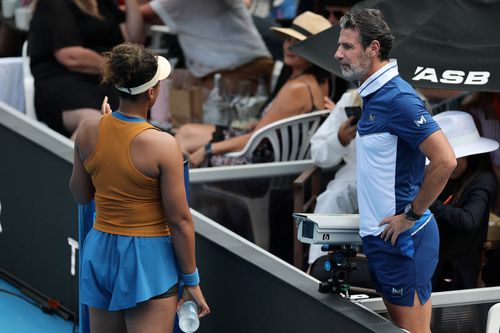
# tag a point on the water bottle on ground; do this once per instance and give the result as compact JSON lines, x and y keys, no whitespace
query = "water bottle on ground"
{"x":188,"y":317}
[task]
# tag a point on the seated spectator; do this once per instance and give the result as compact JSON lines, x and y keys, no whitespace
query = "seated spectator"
{"x":66,"y":41}
{"x":330,"y":145}
{"x":216,"y":37}
{"x":485,"y":108}
{"x":303,"y":92}
{"x":462,"y":209}
{"x":331,"y":10}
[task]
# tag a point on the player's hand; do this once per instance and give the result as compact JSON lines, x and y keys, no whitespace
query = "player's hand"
{"x":394,"y":226}
{"x":105,"y":107}
{"x":194,"y":294}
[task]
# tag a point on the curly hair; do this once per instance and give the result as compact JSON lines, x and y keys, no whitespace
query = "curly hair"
{"x":129,"y":65}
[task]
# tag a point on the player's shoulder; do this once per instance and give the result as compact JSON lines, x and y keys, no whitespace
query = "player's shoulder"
{"x":156,"y":137}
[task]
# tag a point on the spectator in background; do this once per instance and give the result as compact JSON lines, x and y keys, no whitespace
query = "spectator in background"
{"x":66,"y":39}
{"x":216,"y":36}
{"x":462,"y":209}
{"x":333,"y":11}
{"x":333,"y":143}
{"x":485,"y":108}
{"x":263,"y":19}
{"x":303,"y":92}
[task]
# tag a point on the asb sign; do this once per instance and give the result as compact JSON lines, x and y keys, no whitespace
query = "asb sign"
{"x":451,"y":76}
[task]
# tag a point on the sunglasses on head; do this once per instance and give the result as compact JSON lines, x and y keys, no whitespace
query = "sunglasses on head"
{"x":337,"y":13}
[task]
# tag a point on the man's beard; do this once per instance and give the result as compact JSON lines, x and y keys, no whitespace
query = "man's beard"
{"x":354,"y":74}
{"x":358,"y":71}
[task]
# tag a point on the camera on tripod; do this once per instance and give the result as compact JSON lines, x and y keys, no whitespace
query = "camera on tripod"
{"x":339,"y":236}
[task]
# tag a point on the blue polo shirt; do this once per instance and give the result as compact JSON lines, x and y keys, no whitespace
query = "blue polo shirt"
{"x":390,"y":166}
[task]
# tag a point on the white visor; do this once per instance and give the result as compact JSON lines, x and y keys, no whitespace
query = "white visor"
{"x":162,"y":72}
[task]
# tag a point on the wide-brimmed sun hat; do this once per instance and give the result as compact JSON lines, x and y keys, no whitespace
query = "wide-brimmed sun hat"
{"x":304,"y":25}
{"x":162,"y":72}
{"x":461,"y":131}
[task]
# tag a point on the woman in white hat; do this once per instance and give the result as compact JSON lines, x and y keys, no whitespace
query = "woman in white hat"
{"x":141,"y":247}
{"x":462,"y":210}
{"x":303,"y":92}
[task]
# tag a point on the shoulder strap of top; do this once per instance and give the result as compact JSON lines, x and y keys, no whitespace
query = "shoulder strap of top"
{"x":313,"y":107}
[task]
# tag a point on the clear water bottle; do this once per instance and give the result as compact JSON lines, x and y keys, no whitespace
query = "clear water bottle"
{"x":262,"y":90}
{"x":259,"y":99}
{"x":188,"y":317}
{"x":215,"y":108}
{"x":239,"y":105}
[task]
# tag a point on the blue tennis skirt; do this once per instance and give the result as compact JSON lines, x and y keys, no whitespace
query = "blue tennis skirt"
{"x":117,"y":272}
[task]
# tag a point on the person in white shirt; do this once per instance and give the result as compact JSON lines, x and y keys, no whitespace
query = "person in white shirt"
{"x":330,"y":145}
{"x":216,"y":36}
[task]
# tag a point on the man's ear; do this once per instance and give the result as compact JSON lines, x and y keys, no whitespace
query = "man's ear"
{"x":374,"y":48}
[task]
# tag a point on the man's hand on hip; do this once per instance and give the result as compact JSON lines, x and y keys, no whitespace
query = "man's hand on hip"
{"x":394,"y":226}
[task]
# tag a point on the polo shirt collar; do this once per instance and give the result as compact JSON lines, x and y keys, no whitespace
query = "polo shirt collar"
{"x":379,"y":78}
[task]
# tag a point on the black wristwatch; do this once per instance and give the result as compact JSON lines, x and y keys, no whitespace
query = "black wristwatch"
{"x":208,"y":150}
{"x":410,"y":214}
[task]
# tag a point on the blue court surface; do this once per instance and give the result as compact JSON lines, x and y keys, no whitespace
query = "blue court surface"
{"x":20,"y":314}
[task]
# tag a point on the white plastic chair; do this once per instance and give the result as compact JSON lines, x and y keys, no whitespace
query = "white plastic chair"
{"x":28,"y":84}
{"x":493,"y":323}
{"x":290,"y":141}
{"x":289,"y":138}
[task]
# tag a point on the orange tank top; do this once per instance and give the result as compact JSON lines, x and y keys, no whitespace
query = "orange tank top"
{"x":127,"y":201}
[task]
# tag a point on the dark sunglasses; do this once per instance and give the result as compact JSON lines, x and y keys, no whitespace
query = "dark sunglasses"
{"x":337,"y":13}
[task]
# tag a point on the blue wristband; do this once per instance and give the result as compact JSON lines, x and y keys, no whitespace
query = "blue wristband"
{"x":192,"y":279}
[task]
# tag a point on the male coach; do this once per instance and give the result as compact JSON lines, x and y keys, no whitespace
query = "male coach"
{"x":394,"y":136}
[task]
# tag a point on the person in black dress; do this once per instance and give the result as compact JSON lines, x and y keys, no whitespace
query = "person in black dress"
{"x":65,"y":43}
{"x":462,"y":210}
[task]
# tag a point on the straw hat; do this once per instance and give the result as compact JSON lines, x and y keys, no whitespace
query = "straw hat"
{"x":461,"y":131}
{"x":305,"y":25}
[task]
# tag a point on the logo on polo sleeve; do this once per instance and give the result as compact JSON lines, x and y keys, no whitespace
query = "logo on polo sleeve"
{"x":419,"y":122}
